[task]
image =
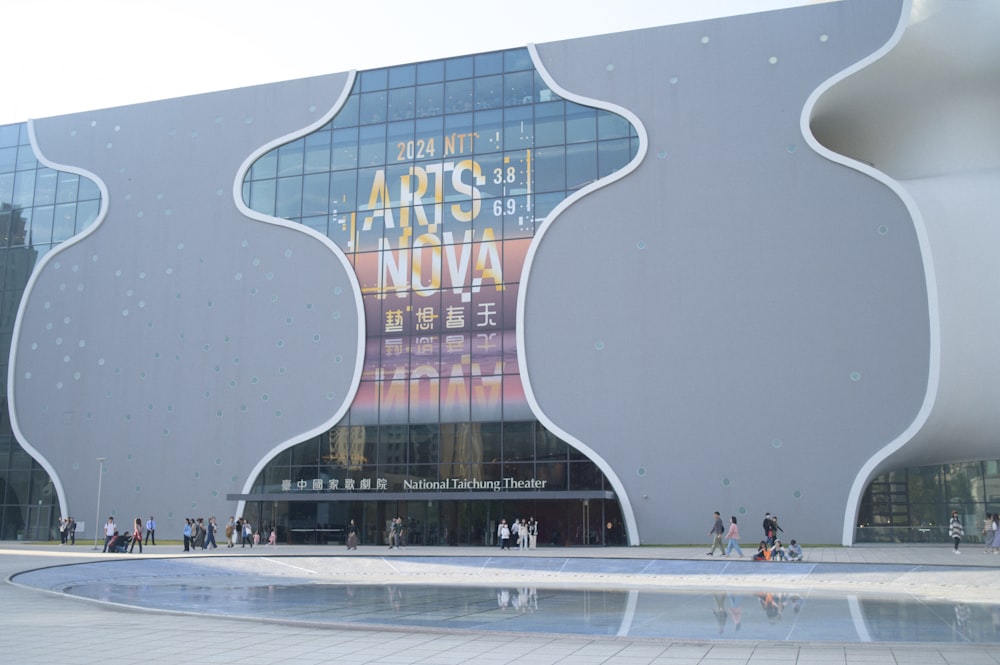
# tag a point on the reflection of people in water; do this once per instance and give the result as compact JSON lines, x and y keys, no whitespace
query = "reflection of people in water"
{"x":735,"y":612}
{"x":503,"y":598}
{"x":721,"y":616}
{"x":395,"y":596}
{"x":962,"y":621}
{"x":770,"y":605}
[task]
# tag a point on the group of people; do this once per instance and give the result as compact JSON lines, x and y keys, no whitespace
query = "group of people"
{"x":116,"y":541}
{"x":397,"y":532}
{"x":770,"y":548}
{"x":521,"y":533}
{"x":67,"y":530}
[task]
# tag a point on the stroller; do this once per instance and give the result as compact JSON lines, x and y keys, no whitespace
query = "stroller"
{"x":119,"y":543}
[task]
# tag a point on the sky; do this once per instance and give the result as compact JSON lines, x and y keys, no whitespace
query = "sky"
{"x":67,"y":56}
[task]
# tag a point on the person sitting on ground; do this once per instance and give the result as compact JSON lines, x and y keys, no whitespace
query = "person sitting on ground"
{"x":763,"y":553}
{"x":794,"y":552}
{"x":777,"y":551}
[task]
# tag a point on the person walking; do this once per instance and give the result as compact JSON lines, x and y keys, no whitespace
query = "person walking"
{"x":955,"y":529}
{"x":994,"y":534}
{"x":210,"y":534}
{"x":716,"y":533}
{"x":150,"y":530}
{"x":352,"y":536}
{"x":733,"y":538}
{"x":136,"y":535}
{"x":247,"y":533}
{"x":187,"y":534}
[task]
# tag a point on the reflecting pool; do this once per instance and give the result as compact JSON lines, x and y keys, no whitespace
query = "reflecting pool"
{"x":765,"y":615}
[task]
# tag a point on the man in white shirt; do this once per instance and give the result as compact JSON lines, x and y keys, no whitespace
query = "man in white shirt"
{"x":110,"y":529}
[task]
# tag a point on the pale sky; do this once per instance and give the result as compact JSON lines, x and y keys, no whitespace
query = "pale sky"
{"x":66,"y":56}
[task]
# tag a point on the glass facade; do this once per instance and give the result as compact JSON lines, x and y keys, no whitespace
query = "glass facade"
{"x":914,"y":505}
{"x":433,"y":178}
{"x":39,"y":208}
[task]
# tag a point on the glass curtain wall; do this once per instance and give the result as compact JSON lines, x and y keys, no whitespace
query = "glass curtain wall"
{"x":914,"y":505}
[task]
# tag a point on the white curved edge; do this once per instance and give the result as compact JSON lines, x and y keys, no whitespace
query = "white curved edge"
{"x":355,"y":285}
{"x":628,"y":616}
{"x":628,"y":513}
{"x":934,"y":359}
{"x":858,"y":619}
{"x":22,"y":306}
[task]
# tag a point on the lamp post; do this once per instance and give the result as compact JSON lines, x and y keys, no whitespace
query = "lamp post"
{"x":97,"y":520}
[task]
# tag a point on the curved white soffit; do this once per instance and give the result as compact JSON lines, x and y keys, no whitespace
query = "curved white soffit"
{"x":627,"y":512}
{"x":32,"y":280}
{"x":301,"y":228}
{"x":934,"y":360}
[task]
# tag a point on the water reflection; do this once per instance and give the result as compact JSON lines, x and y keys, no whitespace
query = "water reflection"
{"x":767,"y":614}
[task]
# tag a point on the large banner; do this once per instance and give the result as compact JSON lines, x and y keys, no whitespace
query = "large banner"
{"x":438,"y":247}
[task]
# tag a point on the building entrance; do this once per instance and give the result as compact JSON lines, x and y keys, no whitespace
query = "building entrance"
{"x":435,"y":522}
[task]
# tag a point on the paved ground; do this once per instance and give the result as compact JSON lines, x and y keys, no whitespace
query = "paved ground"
{"x":41,"y":627}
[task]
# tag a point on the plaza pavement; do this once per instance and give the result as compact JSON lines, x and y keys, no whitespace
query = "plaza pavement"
{"x":51,"y":628}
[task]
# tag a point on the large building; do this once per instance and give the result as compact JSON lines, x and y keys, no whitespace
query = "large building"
{"x":612,"y":283}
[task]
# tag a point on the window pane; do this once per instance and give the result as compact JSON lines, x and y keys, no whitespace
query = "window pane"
{"x":343,"y":186}
{"x":348,"y":115}
{"x":581,"y":123}
{"x":266,"y":166}
{"x":371,"y":145}
{"x":550,"y":169}
{"x":489,"y":92}
{"x":24,"y":189}
{"x":45,"y":187}
{"x":262,"y":196}
{"x":581,"y":165}
{"x":41,"y":225}
{"x":401,"y":104}
{"x":315,"y":195}
{"x":402,"y":76}
{"x":489,"y":63}
{"x":289,"y":199}
{"x":458,"y":68}
{"x":458,"y":96}
{"x":318,"y":152}
{"x":345,"y":149}
{"x":67,"y":187}
{"x":88,"y":190}
{"x":429,"y":100}
{"x":611,"y":126}
{"x":86,"y":214}
{"x":518,"y":128}
{"x":290,"y":158}
{"x":517,"y":88}
{"x":611,"y":156}
{"x":64,"y":222}
{"x":375,"y":79}
{"x":373,"y":107}
{"x":8,"y":158}
{"x":430,"y":72}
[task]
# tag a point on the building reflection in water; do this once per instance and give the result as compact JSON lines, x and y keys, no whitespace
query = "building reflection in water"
{"x":721,"y":614}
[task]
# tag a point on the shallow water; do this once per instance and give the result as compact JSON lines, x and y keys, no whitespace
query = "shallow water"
{"x":701,"y":615}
